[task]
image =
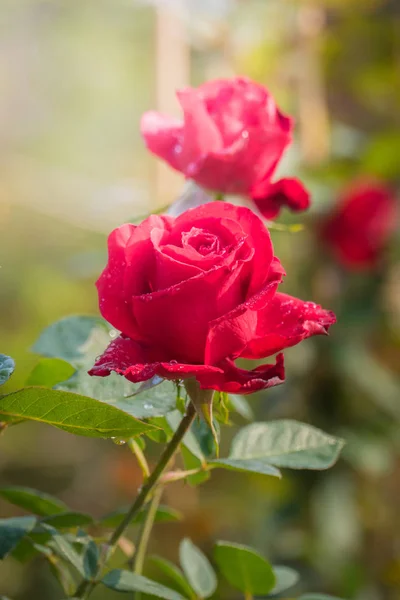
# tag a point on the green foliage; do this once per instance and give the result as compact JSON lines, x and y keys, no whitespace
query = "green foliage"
{"x":282,"y":443}
{"x":34,"y":501}
{"x":197,"y":569}
{"x":174,"y":574}
{"x":285,"y":578}
{"x":66,"y":551}
{"x":90,"y":559}
{"x":318,"y":597}
{"x":50,"y":371}
{"x":67,"y":337}
{"x":71,"y":412}
{"x":164,"y":514}
{"x":68,"y":520}
{"x":241,"y":405}
{"x":12,"y":531}
{"x":125,"y":581}
{"x":244,"y":568}
{"x":7,"y":366}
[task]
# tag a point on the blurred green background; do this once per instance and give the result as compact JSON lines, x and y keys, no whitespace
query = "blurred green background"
{"x":75,"y":77}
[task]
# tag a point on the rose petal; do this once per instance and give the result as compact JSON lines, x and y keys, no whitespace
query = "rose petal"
{"x":229,"y":335}
{"x":240,"y":381}
{"x":271,"y":197}
{"x":285,"y":321}
{"x":201,"y":134}
{"x":258,"y":236}
{"x":133,"y":361}
{"x":163,"y":136}
{"x":178,"y":317}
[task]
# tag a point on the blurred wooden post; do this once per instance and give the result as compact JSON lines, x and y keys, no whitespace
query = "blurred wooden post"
{"x":172,"y":72}
{"x":313,"y":110}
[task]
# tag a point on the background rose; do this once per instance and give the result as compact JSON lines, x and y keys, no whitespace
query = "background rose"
{"x":360,"y":227}
{"x":231,"y":139}
{"x":193,"y":293}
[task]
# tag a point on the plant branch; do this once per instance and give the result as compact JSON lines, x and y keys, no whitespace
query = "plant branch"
{"x":86,"y":587}
{"x":145,"y":533}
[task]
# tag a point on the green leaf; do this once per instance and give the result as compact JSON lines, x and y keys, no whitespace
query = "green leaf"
{"x":90,"y":559}
{"x":7,"y":366}
{"x":190,"y":462}
{"x":197,"y":569}
{"x":71,"y":412}
{"x":33,"y":501}
{"x":66,"y":551}
{"x":175,"y":574}
{"x":286,"y":443}
{"x":50,"y":371}
{"x":125,"y":581}
{"x":285,"y":578}
{"x":241,"y":406}
{"x":66,"y":338}
{"x":68,"y":520}
{"x":12,"y":531}
{"x":189,"y":441}
{"x":244,"y":568}
{"x":154,"y":402}
{"x":164,"y":514}
{"x":249,"y":465}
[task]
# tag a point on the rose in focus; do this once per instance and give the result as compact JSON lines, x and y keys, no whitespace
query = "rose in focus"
{"x":358,"y":230}
{"x":230,"y":140}
{"x":191,"y":294}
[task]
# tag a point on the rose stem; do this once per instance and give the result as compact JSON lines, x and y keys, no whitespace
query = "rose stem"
{"x":145,"y":533}
{"x":86,"y":587}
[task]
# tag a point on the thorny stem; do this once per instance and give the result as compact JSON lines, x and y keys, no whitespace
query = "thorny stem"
{"x":86,"y":587}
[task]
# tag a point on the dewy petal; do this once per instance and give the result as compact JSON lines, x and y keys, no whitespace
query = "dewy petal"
{"x":200,"y":134}
{"x":230,"y":334}
{"x":133,"y":361}
{"x":239,"y":381}
{"x":258,"y":235}
{"x":110,"y":284}
{"x":177,"y":318}
{"x":285,"y":321}
{"x":271,"y":197}
{"x":163,"y":135}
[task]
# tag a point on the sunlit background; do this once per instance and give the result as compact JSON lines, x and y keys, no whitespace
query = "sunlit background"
{"x":75,"y":77}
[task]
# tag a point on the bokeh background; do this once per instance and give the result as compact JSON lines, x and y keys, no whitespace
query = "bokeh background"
{"x":74,"y":79}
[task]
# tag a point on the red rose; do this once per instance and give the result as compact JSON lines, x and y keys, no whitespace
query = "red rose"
{"x":358,"y":230}
{"x":231,"y":138}
{"x":193,"y":293}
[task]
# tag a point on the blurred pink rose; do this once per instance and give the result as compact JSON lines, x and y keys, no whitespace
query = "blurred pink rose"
{"x":230,"y":140}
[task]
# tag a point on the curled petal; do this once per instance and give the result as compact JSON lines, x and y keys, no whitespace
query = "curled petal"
{"x":271,"y":197}
{"x":285,"y":321}
{"x":240,"y":381}
{"x":163,"y":136}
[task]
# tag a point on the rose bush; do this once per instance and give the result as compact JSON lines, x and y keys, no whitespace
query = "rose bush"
{"x":191,"y":294}
{"x":358,"y":230}
{"x":230,"y":141}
